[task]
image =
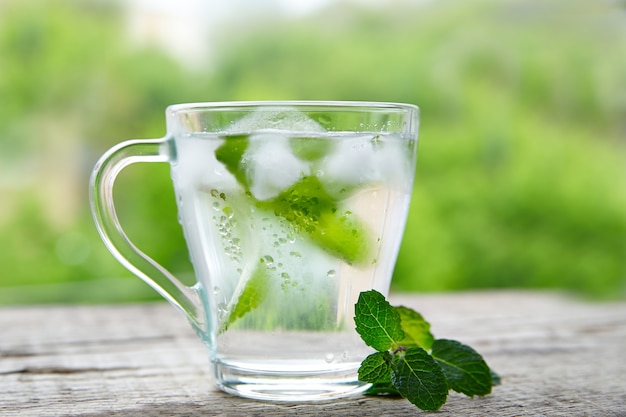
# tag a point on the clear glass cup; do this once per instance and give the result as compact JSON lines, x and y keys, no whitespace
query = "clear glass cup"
{"x":289,"y":210}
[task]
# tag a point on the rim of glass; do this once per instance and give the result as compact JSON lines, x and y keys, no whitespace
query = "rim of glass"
{"x":313,"y":104}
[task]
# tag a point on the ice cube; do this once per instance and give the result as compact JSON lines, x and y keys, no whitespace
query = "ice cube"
{"x":270,"y":165}
{"x":279,"y":118}
{"x":352,"y":162}
{"x":201,"y":168}
{"x":392,"y":162}
{"x":364,"y":160}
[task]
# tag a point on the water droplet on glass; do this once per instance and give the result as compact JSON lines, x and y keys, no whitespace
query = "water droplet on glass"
{"x":331,"y":273}
{"x":216,"y":290}
{"x":268,"y":260}
{"x":228,"y":211}
{"x":329,"y":357}
{"x":222,"y":309}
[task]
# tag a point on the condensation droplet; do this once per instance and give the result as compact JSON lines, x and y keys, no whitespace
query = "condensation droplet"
{"x":228,"y":211}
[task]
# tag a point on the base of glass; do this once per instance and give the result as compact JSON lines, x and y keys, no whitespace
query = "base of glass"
{"x":288,"y":385}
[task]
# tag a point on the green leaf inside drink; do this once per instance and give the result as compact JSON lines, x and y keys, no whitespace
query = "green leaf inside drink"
{"x":310,"y":149}
{"x":314,"y":213}
{"x":307,"y":204}
{"x":230,"y":153}
{"x":253,"y":294}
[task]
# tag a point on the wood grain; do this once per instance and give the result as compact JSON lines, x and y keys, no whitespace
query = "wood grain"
{"x":557,"y":357}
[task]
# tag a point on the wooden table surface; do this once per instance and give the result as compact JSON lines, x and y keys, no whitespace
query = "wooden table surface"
{"x":556,"y":356}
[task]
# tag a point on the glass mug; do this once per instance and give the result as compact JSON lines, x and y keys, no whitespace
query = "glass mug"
{"x":289,"y":210}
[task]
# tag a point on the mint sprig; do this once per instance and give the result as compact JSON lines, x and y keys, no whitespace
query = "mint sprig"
{"x":410,"y":362}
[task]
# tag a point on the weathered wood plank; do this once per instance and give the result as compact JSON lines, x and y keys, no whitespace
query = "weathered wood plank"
{"x":556,"y":356}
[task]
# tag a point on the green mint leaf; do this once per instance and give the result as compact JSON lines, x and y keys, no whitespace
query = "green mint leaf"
{"x":377,"y":321}
{"x":252,"y":295}
{"x":310,"y":149}
{"x":416,"y":329}
{"x":230,"y":153}
{"x":466,"y":371}
{"x":306,"y":204}
{"x":495,"y":378}
{"x":312,"y":211}
{"x":376,"y":368}
{"x":382,"y":389}
{"x":419,"y":379}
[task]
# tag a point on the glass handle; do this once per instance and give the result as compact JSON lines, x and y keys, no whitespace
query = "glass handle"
{"x":101,"y":193}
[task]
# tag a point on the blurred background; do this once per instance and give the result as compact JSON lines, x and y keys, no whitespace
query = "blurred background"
{"x":521,"y":178}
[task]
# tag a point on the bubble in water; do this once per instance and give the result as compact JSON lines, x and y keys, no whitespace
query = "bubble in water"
{"x":216,"y":290}
{"x":345,"y":355}
{"x":329,"y":357}
{"x":222,"y":309}
{"x":295,"y":254}
{"x":331,"y":273}
{"x":268,"y":260}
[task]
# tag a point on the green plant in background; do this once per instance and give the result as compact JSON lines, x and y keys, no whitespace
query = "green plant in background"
{"x":521,"y":178}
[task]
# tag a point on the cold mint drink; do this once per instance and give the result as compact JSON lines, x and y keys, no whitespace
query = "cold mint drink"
{"x":296,"y":225}
{"x":290,"y":210}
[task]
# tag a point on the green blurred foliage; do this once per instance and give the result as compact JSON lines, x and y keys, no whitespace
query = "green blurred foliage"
{"x":521,"y":178}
